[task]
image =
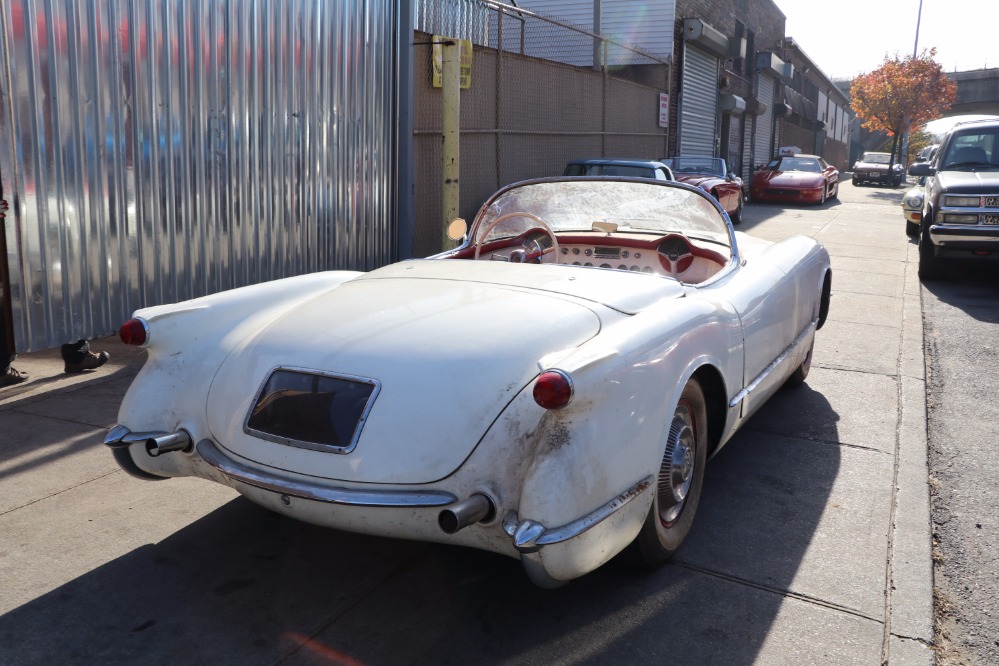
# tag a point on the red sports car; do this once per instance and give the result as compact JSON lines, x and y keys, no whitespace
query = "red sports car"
{"x":711,"y":175}
{"x":797,"y":179}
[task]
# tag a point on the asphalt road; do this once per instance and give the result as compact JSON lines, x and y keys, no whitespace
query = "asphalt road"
{"x":811,"y":544}
{"x":961,"y":318}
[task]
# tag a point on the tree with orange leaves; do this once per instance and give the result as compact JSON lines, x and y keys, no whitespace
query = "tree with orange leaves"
{"x":902,"y":93}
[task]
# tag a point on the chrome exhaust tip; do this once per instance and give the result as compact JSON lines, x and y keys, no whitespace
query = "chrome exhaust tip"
{"x":476,"y":508}
{"x":175,"y":441}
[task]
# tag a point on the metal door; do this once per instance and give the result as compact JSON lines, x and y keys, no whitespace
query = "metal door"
{"x":698,"y":102}
{"x":763,"y":149}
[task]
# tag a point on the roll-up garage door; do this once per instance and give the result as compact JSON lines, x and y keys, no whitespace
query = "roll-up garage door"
{"x":699,"y":100}
{"x":763,"y":150}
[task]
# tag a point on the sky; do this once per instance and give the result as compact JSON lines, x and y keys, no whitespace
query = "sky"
{"x":849,"y":37}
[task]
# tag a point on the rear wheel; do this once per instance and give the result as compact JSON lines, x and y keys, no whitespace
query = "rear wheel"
{"x":678,"y":482}
{"x":797,"y":377}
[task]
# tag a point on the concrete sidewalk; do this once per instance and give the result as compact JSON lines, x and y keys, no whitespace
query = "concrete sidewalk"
{"x":812,"y":543}
{"x":47,"y":380}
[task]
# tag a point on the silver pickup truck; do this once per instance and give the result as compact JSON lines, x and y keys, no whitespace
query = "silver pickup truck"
{"x":961,"y":201}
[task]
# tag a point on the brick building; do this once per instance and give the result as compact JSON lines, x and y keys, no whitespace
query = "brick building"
{"x":815,"y":111}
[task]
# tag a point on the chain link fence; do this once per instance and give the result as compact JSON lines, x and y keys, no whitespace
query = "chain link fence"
{"x":542,"y":92}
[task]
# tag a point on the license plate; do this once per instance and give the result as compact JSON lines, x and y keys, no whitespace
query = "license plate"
{"x":874,"y":174}
{"x":990,"y":219}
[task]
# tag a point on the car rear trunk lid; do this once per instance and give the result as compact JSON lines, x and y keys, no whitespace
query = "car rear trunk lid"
{"x":429,"y":364}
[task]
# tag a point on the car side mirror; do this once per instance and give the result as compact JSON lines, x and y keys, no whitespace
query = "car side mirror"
{"x":921,"y":169}
{"x":457,"y":229}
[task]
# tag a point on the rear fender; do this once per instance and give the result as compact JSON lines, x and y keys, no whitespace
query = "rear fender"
{"x":613,"y":433}
{"x":189,"y":340}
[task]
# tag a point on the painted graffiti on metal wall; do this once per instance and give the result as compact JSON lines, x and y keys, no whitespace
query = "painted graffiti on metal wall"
{"x":158,"y":150}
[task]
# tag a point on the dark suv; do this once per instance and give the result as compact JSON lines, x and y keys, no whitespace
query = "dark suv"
{"x":873,"y":168}
{"x":961,"y":202}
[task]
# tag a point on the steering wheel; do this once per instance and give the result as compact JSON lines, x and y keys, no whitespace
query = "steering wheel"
{"x":530,"y":253}
{"x":675,"y":255}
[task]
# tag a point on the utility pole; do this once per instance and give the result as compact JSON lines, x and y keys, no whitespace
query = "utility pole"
{"x":451,"y":129}
{"x":915,"y":54}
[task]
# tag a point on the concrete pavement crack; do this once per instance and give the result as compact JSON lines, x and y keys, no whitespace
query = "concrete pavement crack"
{"x":815,"y":601}
{"x":64,"y":490}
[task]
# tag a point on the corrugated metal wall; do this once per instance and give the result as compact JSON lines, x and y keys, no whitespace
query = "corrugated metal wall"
{"x":158,"y":150}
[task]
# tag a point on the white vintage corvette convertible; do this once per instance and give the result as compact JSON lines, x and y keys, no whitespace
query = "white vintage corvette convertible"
{"x":549,"y":390}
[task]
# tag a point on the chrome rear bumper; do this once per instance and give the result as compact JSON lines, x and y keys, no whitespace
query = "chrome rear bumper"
{"x":283,"y":485}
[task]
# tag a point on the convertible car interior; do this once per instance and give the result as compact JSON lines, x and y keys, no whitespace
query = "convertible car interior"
{"x":671,"y":255}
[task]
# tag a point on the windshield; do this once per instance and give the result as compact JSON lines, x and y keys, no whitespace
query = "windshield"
{"x":649,"y":207}
{"x":809,"y":164}
{"x":973,"y":149}
{"x":710,"y":165}
{"x":876,"y":158}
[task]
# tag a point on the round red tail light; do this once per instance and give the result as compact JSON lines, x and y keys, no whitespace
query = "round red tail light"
{"x":134,"y":332}
{"x":553,"y":389}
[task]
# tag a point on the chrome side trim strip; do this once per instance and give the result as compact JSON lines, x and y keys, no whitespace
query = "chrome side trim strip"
{"x":783,"y":356}
{"x":530,"y":535}
{"x":211,"y":454}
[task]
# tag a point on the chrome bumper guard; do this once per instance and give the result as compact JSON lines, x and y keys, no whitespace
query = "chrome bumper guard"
{"x":155,"y":443}
{"x":529,"y":535}
{"x":949,"y":234}
{"x":283,"y":485}
{"x":120,"y":437}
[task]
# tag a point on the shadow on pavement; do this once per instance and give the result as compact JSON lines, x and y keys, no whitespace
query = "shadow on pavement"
{"x":244,"y":586}
{"x":889,"y":195}
{"x":972,"y":286}
{"x":45,"y":370}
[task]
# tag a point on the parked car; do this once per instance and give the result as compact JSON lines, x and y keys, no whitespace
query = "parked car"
{"x":601,"y":166}
{"x":796,"y":178}
{"x":549,"y":390}
{"x":876,"y":168}
{"x":712,"y":175}
{"x":961,"y":202}
{"x":912,"y":207}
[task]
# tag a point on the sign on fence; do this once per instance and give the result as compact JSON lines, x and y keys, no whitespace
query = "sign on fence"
{"x":436,"y":61}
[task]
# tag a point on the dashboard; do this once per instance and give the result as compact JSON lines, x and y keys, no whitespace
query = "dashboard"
{"x":609,"y":256}
{"x":672,"y":255}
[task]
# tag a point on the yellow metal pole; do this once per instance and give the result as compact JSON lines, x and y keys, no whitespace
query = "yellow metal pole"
{"x":450,"y":125}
